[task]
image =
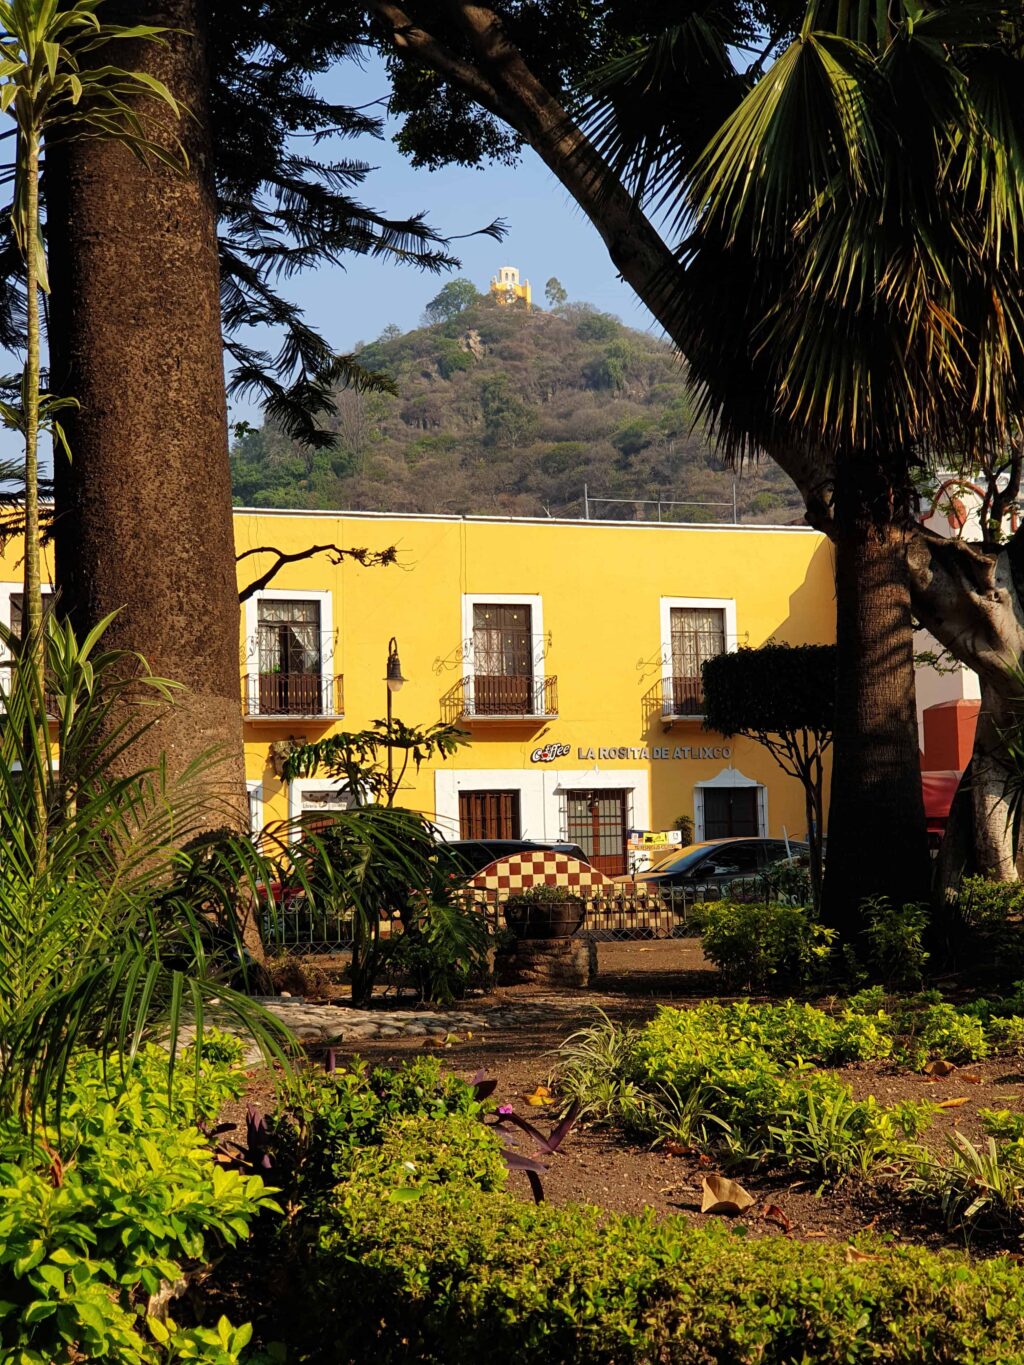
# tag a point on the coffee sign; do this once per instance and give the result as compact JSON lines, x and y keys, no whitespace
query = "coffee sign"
{"x":549,"y":752}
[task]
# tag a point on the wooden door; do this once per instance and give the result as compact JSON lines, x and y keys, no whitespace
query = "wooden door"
{"x":596,"y":820}
{"x":502,"y":660}
{"x":489,"y":815}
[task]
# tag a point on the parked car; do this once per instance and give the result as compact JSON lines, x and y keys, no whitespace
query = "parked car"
{"x":475,"y":854}
{"x":707,"y":870}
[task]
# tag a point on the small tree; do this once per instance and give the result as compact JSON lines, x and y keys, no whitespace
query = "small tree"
{"x":555,"y":293}
{"x":454,"y":298}
{"x":783,"y":697}
{"x":359,"y":758}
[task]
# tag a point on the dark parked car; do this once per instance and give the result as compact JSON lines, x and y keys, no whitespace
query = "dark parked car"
{"x":706,"y":871}
{"x":476,"y":854}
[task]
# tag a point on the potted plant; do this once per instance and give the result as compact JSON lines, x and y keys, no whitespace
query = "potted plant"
{"x":544,"y":912}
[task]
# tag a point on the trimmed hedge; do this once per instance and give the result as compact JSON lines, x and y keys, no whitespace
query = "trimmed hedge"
{"x":450,"y":1274}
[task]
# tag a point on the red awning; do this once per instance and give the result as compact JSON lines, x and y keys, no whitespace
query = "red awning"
{"x":939,"y":787}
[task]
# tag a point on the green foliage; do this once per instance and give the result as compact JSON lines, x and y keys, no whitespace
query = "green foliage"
{"x":771,"y":690}
{"x":594,"y":1069}
{"x":592,"y":325}
{"x":417,"y":1152}
{"x":113,"y":879}
{"x":452,"y":358}
{"x":936,"y":1030}
{"x":976,"y":1188}
{"x":761,"y":946}
{"x":459,"y":1273}
{"x":895,"y":940}
{"x":443,"y":951}
{"x":454,"y":298}
{"x":544,"y":895}
{"x":357,"y":759}
{"x":985,"y":922}
{"x":83,"y":1242}
{"x":555,"y":294}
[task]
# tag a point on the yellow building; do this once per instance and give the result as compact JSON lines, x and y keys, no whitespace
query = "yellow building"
{"x":506,"y":288}
{"x":570,"y":650}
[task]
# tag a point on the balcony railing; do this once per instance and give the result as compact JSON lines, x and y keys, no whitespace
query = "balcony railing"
{"x":492,"y":697}
{"x":271,"y":695}
{"x":674,"y":699}
{"x":49,"y":690}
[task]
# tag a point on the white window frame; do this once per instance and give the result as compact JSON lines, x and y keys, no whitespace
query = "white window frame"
{"x":505,"y":599}
{"x":723,"y":604}
{"x":539,"y":791}
{"x":254,"y":789}
{"x":729,"y":777}
{"x":252,"y":616}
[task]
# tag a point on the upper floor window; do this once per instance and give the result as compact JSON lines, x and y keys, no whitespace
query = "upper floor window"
{"x":693,"y":630}
{"x":288,"y":642}
{"x":503,"y":658}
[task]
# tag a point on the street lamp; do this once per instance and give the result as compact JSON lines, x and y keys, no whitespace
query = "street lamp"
{"x":393,"y":678}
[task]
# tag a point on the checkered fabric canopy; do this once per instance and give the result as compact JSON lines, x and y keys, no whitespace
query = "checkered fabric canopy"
{"x":515,"y":873}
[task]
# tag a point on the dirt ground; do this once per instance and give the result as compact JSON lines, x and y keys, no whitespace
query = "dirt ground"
{"x":597,"y":1166}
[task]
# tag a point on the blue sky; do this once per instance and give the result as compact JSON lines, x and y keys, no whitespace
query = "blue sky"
{"x":547,"y":235}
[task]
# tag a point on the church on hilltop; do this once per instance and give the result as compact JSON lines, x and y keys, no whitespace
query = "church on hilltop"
{"x":506,"y":288}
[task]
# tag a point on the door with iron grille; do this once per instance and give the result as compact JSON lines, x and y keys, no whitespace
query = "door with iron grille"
{"x":730,"y":812}
{"x":288,"y":639}
{"x":598,"y":821}
{"x":698,"y":633}
{"x":502,"y":660}
{"x":489,"y":815}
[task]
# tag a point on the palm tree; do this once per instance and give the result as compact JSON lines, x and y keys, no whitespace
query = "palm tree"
{"x":47,"y":92}
{"x":853,"y":289}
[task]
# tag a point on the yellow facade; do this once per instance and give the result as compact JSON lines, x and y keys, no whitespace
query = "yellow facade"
{"x":507,"y":288}
{"x":554,"y":643}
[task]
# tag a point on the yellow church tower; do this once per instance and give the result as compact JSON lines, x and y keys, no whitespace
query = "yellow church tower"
{"x":506,"y":288}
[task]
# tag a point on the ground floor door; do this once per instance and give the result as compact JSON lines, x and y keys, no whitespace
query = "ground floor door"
{"x":598,"y":821}
{"x":489,"y":815}
{"x":730,"y":812}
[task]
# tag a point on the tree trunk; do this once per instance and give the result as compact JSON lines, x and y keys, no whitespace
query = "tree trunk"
{"x":995,"y":833}
{"x":877,"y":840}
{"x":143,"y":511}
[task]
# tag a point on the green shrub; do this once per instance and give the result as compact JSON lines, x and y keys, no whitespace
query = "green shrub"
{"x":1008,"y":1034}
{"x":756,"y":946}
{"x":84,"y":1242}
{"x":940,"y":1030}
{"x":895,"y":940}
{"x":974,"y":1187}
{"x":416,"y":1152}
{"x":459,"y":1275}
{"x":442,"y":953}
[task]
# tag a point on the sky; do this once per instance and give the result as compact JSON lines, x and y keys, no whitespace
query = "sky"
{"x":548,"y":236}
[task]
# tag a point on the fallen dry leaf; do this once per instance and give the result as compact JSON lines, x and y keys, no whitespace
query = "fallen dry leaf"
{"x":540,"y":1097}
{"x":939,"y":1068}
{"x":676,"y":1148}
{"x":703,"y":1159}
{"x":722,"y":1195}
{"x":853,"y":1255}
{"x":954,"y":1103}
{"x":773,"y":1214}
{"x":815,"y":1234}
{"x":971,"y":1079}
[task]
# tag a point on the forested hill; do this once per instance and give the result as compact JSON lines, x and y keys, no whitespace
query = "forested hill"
{"x":504,"y":410}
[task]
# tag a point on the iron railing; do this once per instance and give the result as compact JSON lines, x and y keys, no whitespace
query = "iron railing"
{"x":500,"y":697}
{"x":291,"y":694}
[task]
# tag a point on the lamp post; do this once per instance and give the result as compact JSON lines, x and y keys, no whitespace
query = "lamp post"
{"x":394,"y":680}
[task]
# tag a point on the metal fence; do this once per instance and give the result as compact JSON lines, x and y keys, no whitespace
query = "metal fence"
{"x":632,"y":914}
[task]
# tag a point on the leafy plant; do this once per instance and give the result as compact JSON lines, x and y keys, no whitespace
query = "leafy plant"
{"x":895,"y":940}
{"x":443,"y":950}
{"x":755,"y":945}
{"x":975,"y":1187}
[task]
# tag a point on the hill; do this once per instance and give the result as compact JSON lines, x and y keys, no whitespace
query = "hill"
{"x":501,"y":409}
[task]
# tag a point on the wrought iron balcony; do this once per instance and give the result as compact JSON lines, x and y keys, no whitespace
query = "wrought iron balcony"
{"x":674,"y":699}
{"x":492,"y":697}
{"x":271,"y":696}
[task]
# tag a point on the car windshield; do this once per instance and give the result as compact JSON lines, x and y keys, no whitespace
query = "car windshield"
{"x":683,"y":859}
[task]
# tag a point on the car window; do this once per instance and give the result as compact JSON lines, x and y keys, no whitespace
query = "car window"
{"x":735,"y":860}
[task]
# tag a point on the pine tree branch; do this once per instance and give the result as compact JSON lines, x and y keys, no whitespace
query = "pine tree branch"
{"x":369,"y":559}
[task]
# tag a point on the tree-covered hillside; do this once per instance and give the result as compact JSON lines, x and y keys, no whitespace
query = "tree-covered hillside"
{"x":503,"y":410}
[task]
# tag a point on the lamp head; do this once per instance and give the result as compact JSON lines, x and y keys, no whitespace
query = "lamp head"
{"x":394,"y":677}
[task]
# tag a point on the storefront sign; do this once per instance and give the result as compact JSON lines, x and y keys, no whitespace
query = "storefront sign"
{"x":654,"y":840}
{"x":549,"y":752}
{"x":694,"y":751}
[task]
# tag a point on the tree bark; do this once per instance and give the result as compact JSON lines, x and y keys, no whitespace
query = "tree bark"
{"x":143,"y":519}
{"x":143,"y":522}
{"x":877,"y":840}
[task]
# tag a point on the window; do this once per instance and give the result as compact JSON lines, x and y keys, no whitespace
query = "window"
{"x":18,"y":608}
{"x":696,"y":634}
{"x":503,"y":659}
{"x":255,"y":794}
{"x":742,"y":860}
{"x":290,"y":663}
{"x":730,"y":812}
{"x":597,"y":821}
{"x":489,"y":815}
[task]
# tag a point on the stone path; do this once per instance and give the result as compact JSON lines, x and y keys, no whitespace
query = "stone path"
{"x":342,"y":1024}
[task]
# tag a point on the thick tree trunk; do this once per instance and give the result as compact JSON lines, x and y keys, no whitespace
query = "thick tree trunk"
{"x":144,"y":523}
{"x":995,"y":833}
{"x":143,"y":510}
{"x":877,"y":840}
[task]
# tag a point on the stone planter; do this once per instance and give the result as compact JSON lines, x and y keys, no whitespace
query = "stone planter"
{"x":548,"y":962}
{"x":544,"y":919}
